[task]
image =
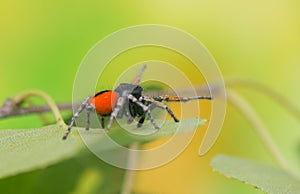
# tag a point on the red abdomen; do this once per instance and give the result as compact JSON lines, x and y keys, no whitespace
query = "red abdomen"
{"x":104,"y":101}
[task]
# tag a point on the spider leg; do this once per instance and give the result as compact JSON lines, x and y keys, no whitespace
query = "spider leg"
{"x":139,"y":75}
{"x":158,"y":101}
{"x":160,"y":105}
{"x":88,"y":112}
{"x":165,"y":107}
{"x":102,"y":122}
{"x":168,"y":98}
{"x":152,"y":120}
{"x":130,"y":120}
{"x":141,"y":121}
{"x":88,"y":109}
{"x":76,"y":114}
{"x":116,"y":110}
{"x":124,"y":111}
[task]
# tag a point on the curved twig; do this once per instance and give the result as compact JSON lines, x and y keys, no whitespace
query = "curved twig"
{"x":258,"y":127}
{"x":10,"y":106}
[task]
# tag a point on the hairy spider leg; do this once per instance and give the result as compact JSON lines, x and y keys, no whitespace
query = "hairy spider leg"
{"x":89,"y":108}
{"x":159,"y":104}
{"x":120,"y":104}
{"x":88,"y":112}
{"x":137,"y":79}
{"x":76,"y":114}
{"x":151,"y":119}
{"x":168,"y":98}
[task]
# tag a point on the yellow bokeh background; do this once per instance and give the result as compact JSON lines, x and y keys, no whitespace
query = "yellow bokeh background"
{"x":43,"y":43}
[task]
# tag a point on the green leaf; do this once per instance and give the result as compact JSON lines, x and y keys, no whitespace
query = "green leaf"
{"x":29,"y":149}
{"x":264,"y":177}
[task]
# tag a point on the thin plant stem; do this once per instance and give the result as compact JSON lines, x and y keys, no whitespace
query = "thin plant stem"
{"x":274,"y":95}
{"x":259,"y":127}
{"x":6,"y":112}
{"x":21,"y":97}
{"x":130,"y":173}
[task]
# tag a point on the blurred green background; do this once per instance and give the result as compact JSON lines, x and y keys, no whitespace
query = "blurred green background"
{"x":43,"y":43}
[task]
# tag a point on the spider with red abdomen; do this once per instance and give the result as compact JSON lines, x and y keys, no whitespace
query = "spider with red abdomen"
{"x":127,"y":99}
